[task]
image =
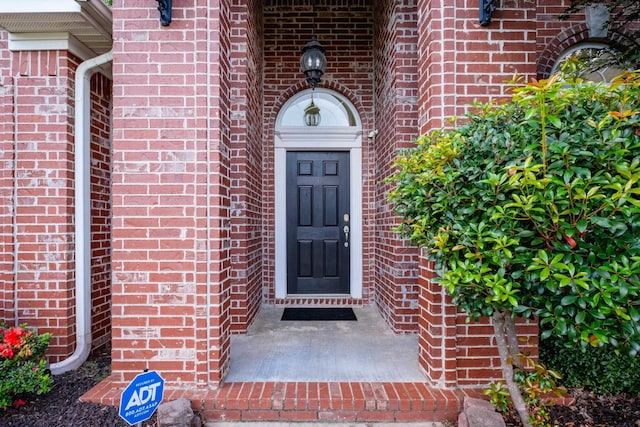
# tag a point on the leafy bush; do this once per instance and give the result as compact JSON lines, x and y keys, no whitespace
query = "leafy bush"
{"x":596,"y":368}
{"x":532,"y":208}
{"x":22,"y":364}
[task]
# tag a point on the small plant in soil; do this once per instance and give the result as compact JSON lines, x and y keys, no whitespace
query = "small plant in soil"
{"x":22,"y":364}
{"x":531,"y":208}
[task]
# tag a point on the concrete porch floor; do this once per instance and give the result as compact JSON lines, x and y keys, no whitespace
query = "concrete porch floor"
{"x":351,"y":373}
{"x":331,"y":351}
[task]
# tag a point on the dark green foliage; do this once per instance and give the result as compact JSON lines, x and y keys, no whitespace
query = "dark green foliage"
{"x":533,"y":207}
{"x":596,"y":368}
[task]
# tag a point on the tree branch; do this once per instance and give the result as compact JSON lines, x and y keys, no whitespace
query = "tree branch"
{"x":512,"y":339}
{"x":507,"y":367}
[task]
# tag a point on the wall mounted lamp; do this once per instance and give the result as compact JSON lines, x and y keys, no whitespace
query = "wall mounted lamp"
{"x":164,"y":7}
{"x":487,"y":7}
{"x":313,"y":63}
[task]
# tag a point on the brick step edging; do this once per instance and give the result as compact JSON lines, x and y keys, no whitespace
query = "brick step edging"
{"x":310,"y":401}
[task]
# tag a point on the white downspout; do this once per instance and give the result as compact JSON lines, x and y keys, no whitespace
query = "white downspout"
{"x":82,"y":131}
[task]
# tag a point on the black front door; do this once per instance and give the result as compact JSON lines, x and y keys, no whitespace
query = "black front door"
{"x":318,"y":222}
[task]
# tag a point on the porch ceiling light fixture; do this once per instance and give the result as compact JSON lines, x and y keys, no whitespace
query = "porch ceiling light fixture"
{"x":312,"y":114}
{"x":313,"y":63}
{"x":164,"y":7}
{"x":487,"y":7}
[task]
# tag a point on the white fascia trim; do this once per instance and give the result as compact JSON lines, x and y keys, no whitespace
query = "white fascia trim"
{"x":38,"y":41}
{"x":39,"y":6}
{"x":48,"y":41}
{"x":99,"y":15}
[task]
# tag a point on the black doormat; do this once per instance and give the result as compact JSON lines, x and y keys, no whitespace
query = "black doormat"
{"x":315,"y":313}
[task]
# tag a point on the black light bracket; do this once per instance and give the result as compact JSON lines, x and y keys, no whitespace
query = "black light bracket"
{"x":487,"y":7}
{"x":164,"y":7}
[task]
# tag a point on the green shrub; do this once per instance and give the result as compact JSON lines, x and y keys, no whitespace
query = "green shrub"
{"x":532,"y":208}
{"x":22,"y":364}
{"x":597,"y":368}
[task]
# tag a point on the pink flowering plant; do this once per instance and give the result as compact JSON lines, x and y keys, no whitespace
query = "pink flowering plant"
{"x":22,"y":363}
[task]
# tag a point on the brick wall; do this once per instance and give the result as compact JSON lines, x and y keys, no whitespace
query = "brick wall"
{"x":171,"y":199}
{"x":461,"y":61}
{"x":396,"y":121}
{"x":38,"y":87}
{"x":43,"y":190}
{"x":218,"y":319}
{"x":246,"y":162}
{"x":453,"y":352}
{"x":101,"y":108}
{"x":345,"y":29}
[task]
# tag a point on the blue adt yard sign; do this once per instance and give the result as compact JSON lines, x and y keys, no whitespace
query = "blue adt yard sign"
{"x":141,"y":397}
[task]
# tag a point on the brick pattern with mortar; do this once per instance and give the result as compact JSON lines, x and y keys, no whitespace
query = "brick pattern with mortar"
{"x":183,"y":182}
{"x":43,"y":192}
{"x":345,"y":30}
{"x":38,"y":197}
{"x":100,"y":177}
{"x":396,"y":59}
{"x":171,"y":192}
{"x":246,"y":95}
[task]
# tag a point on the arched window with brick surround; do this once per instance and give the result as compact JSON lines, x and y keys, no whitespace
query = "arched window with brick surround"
{"x":596,"y":58}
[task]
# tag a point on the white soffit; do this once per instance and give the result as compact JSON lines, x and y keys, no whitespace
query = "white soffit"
{"x":86,"y":25}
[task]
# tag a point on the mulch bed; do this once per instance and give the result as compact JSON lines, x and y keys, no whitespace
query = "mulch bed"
{"x":592,"y":410}
{"x":60,"y":407}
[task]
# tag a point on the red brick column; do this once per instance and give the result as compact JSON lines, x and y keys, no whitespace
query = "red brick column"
{"x":171,"y":193}
{"x":459,"y":62}
{"x":246,"y":87}
{"x":44,"y":269}
{"x":396,"y":111}
{"x":453,"y":352}
{"x":437,"y":338}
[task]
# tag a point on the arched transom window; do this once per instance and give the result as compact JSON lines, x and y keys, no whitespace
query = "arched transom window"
{"x":596,"y":58}
{"x":317,"y":108}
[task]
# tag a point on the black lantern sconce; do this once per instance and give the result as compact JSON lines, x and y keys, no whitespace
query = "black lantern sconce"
{"x":313,"y":63}
{"x":164,"y":7}
{"x":487,"y":7}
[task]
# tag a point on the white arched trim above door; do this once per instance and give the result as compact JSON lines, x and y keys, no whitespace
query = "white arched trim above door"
{"x":340,"y":129}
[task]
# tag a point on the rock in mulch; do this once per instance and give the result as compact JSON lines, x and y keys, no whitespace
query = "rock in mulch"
{"x":479,"y":413}
{"x":177,"y":413}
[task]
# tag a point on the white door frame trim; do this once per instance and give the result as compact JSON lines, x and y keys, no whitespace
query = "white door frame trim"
{"x":318,"y":139}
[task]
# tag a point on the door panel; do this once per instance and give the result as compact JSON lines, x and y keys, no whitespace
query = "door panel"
{"x":317,"y":214}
